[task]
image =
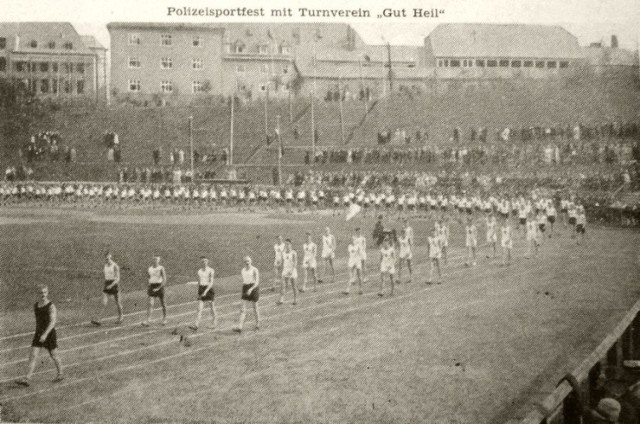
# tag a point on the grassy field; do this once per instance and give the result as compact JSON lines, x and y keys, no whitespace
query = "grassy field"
{"x":480,"y":348}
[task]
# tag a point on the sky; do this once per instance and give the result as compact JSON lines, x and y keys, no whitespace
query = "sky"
{"x":589,"y":20}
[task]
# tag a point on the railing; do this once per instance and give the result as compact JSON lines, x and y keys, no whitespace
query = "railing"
{"x":620,"y":344}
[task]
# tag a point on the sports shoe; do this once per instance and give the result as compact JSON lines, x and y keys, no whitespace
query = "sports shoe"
{"x":346,"y":292}
{"x":23,"y":382}
{"x":96,"y":322}
{"x":193,"y":327}
{"x":58,"y":378}
{"x":380,"y":294}
{"x":279,"y":302}
{"x":120,"y":320}
{"x":145,"y":323}
{"x":237,"y":329}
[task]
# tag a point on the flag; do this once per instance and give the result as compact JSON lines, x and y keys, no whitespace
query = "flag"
{"x":354,"y":209}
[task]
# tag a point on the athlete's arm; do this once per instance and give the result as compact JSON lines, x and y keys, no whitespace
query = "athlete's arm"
{"x":116,"y":274}
{"x":210,"y":285}
{"x":163,"y":274}
{"x":256,"y":280}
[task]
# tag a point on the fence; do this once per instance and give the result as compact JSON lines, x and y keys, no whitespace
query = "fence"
{"x":623,"y":343}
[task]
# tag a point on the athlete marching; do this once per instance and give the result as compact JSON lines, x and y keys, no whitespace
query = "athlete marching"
{"x":205,"y":294}
{"x":387,"y":265}
{"x":434,"y":244}
{"x":328,"y":253}
{"x":157,"y":281}
{"x":111,"y":288}
{"x":309,"y":263}
{"x":45,"y":336}
{"x":289,"y":272}
{"x":405,"y":254}
{"x":250,"y":293}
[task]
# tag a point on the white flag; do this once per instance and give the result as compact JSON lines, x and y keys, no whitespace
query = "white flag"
{"x":354,"y":208}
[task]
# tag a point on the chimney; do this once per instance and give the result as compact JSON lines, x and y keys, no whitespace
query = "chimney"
{"x":614,"y":42}
{"x":17,"y":45}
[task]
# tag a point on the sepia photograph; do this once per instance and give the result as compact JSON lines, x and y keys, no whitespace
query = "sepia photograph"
{"x":320,"y":212}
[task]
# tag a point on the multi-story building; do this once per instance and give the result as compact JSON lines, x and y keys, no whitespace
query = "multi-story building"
{"x":51,"y":60}
{"x":159,"y":61}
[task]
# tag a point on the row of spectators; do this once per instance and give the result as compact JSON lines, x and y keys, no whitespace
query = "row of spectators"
{"x":583,"y":152}
{"x":180,"y":156}
{"x":47,"y":145}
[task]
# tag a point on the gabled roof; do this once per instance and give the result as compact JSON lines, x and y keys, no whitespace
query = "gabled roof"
{"x":375,"y":54}
{"x":503,"y":40}
{"x":43,"y":33}
{"x":164,"y":26}
{"x":91,"y":42}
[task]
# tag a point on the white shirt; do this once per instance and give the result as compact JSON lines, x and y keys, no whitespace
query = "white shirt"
{"x":156,"y":274}
{"x":206,"y":276}
{"x":250,"y":276}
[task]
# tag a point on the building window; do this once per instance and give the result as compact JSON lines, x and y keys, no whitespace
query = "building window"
{"x":54,"y":67}
{"x":240,"y":68}
{"x":552,"y":64}
{"x":197,"y":87}
{"x":165,"y":40}
{"x":285,"y":69}
{"x":67,"y":87}
{"x":44,"y":66}
{"x":285,"y":50}
{"x":492,"y":63}
{"x":197,"y":64}
{"x":134,"y":39}
{"x":263,"y":87}
{"x":504,"y":63}
{"x":480,"y":63}
{"x":528,"y":63}
{"x":67,"y":68}
{"x":540,"y":64}
{"x":166,"y":87}
{"x":33,"y":67}
{"x":44,"y":86}
{"x":264,"y":68}
{"x":239,"y":48}
{"x":197,"y":41}
{"x":166,"y":63}
{"x":51,"y":45}
{"x":3,"y":64}
{"x":564,"y":65}
{"x":3,"y":43}
{"x":134,"y":85}
{"x":68,"y":45}
{"x":80,"y":68}
{"x":263,"y":49}
{"x":134,"y":63}
{"x":516,"y":63}
{"x":33,"y":44}
{"x":19,"y":66}
{"x":455,"y":63}
{"x":80,"y":86}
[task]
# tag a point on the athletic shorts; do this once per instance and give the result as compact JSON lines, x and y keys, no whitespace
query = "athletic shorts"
{"x":411,"y":207}
{"x":541,"y":226}
{"x":523,"y":221}
{"x":471,"y":243}
{"x":563,"y":210}
{"x":355,"y":263}
{"x":406,"y":255}
{"x":208,"y":297}
{"x":328,"y":254}
{"x":277,"y":263}
{"x":152,"y":293}
{"x":113,"y":290}
{"x":492,"y":238}
{"x":580,"y":229}
{"x":507,"y":244}
{"x":253,"y":297}
{"x":572,"y":221}
{"x":469,"y":211}
{"x":434,"y":256}
{"x":363,"y":256}
{"x":293,"y":273}
{"x":310,"y":263}
{"x":50,"y":343}
{"x":551,"y":219}
{"x":388,"y":269}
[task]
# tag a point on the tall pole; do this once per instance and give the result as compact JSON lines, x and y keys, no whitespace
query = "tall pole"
{"x":341,"y":109}
{"x":364,"y":91}
{"x":279,"y":150}
{"x":266,"y":109}
{"x":313,"y":99}
{"x":233,"y":102}
{"x":191,"y":145}
{"x":390,"y":72}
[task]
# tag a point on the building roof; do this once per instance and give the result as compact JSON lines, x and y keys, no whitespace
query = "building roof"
{"x":91,"y":42}
{"x":375,"y":54}
{"x":43,"y":33}
{"x":607,"y":56}
{"x":503,"y":40}
{"x":164,"y":26}
{"x":354,"y":71}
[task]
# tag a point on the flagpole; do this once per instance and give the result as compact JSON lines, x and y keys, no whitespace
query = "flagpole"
{"x":191,"y":145}
{"x":341,"y":109}
{"x":364,"y":91}
{"x":279,"y":151}
{"x":266,"y":109}
{"x":313,"y":95}
{"x":233,"y":101}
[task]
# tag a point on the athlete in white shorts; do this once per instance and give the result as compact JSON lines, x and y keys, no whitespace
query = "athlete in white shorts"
{"x":492,"y":233}
{"x":532,"y":237}
{"x":405,"y":254}
{"x":309,"y":263}
{"x":471,"y":242}
{"x":434,"y":245}
{"x":355,"y":265}
{"x":328,"y":253}
{"x":362,"y":241}
{"x":111,"y":288}
{"x":205,"y":294}
{"x":506,"y":241}
{"x":387,"y":265}
{"x":278,"y":249}
{"x":157,"y":281}
{"x":443,"y":235}
{"x":289,"y":272}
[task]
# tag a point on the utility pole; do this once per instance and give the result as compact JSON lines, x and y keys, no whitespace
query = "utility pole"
{"x":390,"y":71}
{"x":364,"y":89}
{"x":341,"y":110}
{"x":279,"y":150}
{"x":191,"y":145}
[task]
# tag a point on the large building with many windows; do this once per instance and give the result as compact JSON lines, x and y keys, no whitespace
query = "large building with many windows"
{"x":52,"y":60}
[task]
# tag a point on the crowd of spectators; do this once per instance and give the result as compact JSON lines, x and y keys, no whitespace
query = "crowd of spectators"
{"x":48,"y":145}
